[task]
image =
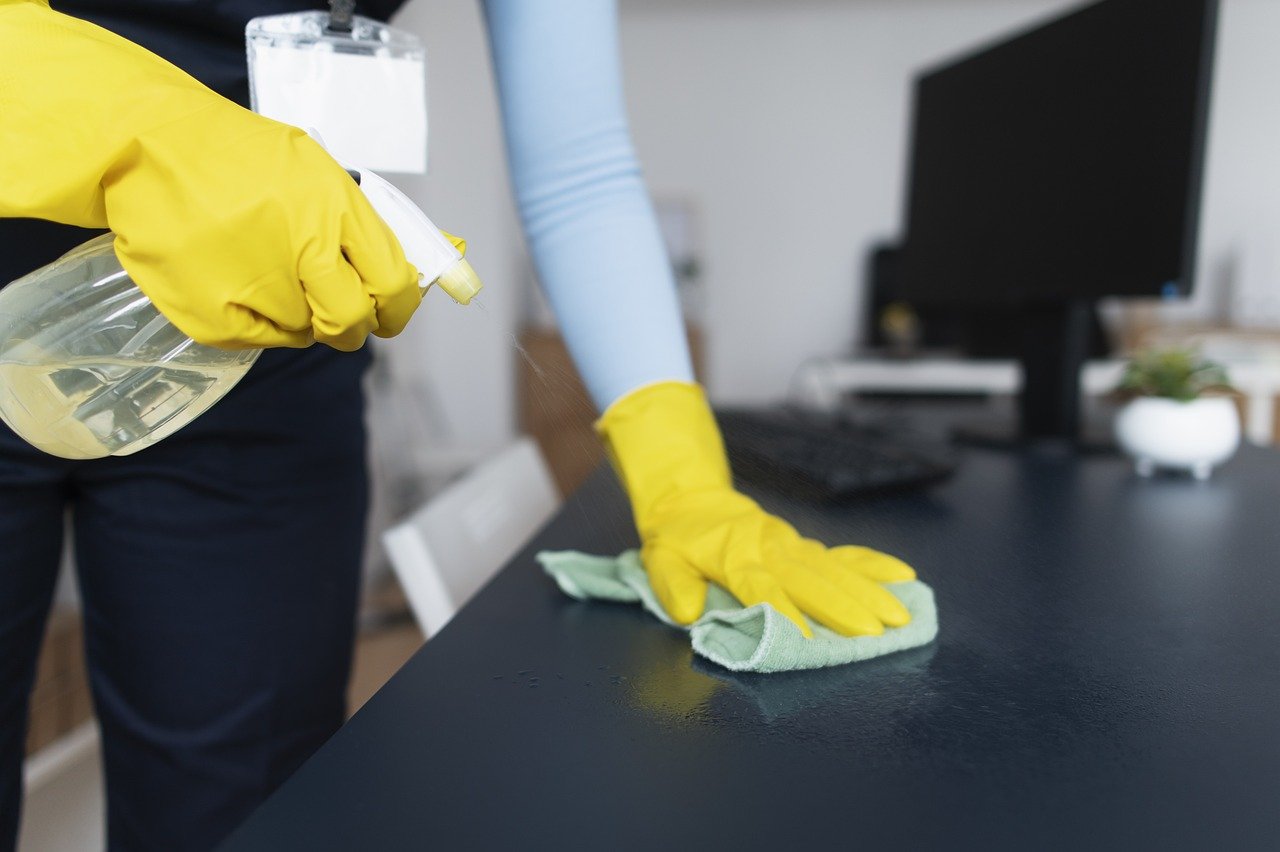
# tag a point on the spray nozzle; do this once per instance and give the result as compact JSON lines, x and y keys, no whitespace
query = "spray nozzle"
{"x":436,"y":255}
{"x":460,"y":282}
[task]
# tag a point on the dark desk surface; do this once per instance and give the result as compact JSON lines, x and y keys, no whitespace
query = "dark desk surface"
{"x":1107,"y":676}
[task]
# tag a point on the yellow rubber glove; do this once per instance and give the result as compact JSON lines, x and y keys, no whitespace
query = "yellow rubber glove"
{"x":665,"y":446}
{"x":243,"y":231}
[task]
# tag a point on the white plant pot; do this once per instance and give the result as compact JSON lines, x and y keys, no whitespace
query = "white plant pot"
{"x":1191,"y":436}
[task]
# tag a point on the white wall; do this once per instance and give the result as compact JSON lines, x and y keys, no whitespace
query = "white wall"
{"x":785,"y":124}
{"x":1239,"y":263}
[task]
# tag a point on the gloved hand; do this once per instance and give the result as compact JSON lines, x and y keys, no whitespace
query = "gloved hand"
{"x":243,"y":231}
{"x":665,"y":446}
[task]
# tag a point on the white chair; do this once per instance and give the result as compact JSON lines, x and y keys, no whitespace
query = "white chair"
{"x":450,"y":547}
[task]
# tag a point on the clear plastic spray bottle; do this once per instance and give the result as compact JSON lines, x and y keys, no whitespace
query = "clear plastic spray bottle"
{"x":90,"y":368}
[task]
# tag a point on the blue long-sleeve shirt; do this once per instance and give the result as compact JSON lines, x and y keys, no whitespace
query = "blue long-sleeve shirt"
{"x":587,"y":216}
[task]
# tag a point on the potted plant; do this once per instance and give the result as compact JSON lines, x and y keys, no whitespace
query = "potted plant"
{"x":1179,"y":414}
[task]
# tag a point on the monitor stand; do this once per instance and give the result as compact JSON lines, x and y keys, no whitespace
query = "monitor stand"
{"x":1055,"y":345}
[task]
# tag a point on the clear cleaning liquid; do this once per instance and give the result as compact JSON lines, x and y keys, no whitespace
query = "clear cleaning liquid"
{"x":90,"y":407}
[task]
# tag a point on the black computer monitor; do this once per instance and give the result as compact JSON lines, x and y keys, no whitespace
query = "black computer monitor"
{"x":1057,"y":167}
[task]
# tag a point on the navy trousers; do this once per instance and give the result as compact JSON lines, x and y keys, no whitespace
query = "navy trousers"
{"x":219,"y":574}
{"x":219,"y":569}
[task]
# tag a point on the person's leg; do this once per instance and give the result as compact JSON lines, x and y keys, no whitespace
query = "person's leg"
{"x":32,"y":509}
{"x":219,"y":571}
{"x":32,"y":506}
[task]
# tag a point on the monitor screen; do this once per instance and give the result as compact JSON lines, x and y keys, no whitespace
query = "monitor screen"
{"x":1065,"y":163}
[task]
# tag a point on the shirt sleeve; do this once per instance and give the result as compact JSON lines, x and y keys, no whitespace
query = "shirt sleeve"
{"x":587,"y":217}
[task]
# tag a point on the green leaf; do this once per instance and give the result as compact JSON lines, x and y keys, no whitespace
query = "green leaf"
{"x":1180,"y":374}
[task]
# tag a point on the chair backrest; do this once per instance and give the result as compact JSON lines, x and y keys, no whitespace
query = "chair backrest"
{"x":450,"y":547}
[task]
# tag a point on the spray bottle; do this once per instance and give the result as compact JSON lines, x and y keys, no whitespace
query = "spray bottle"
{"x":90,"y":368}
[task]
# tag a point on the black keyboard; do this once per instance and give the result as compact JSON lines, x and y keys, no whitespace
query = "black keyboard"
{"x":827,"y":457}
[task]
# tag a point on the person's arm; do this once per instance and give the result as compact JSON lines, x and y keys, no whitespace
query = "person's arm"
{"x":587,"y":217}
{"x":597,"y":249}
{"x":242,"y":230}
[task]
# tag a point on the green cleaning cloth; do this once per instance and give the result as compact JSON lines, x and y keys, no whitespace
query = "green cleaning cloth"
{"x":743,"y":639}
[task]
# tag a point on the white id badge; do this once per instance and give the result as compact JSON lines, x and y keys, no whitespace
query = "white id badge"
{"x":365,"y":91}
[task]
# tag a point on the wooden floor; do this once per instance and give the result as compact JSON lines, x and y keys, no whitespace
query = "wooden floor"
{"x":380,"y":652}
{"x":387,"y":638}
